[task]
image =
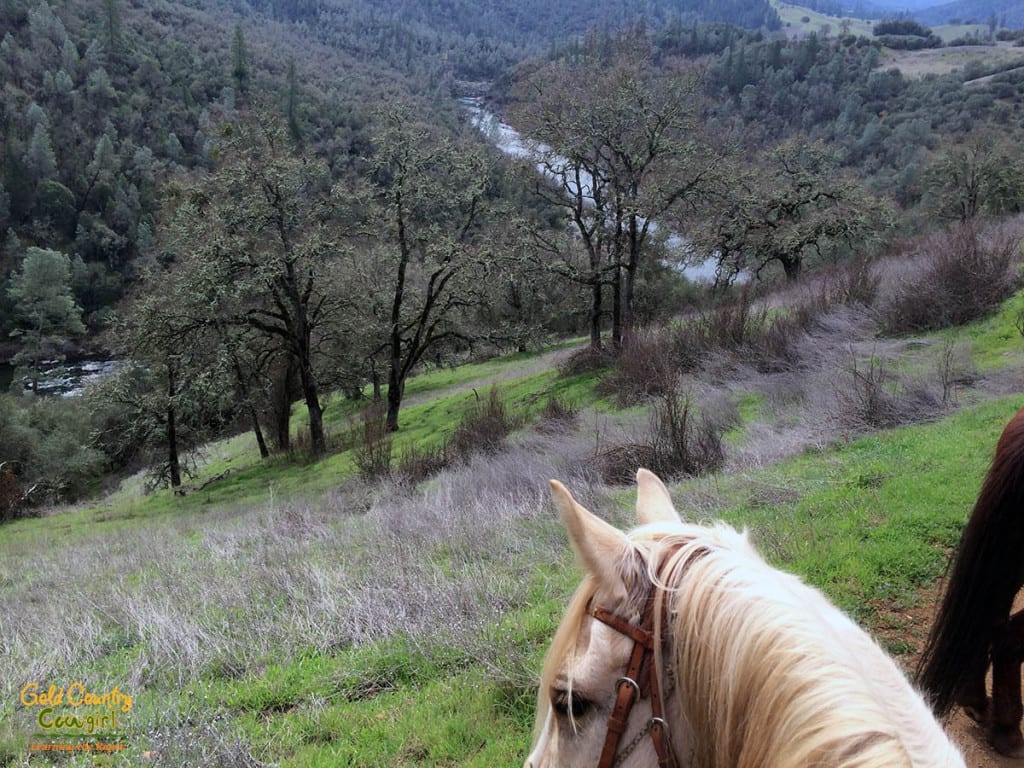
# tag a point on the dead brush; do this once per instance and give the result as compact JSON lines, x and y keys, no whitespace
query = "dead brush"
{"x":680,"y":443}
{"x":965,"y":275}
{"x":854,"y":282}
{"x":870,"y":395}
{"x":371,"y":443}
{"x":644,"y":368}
{"x":558,"y":415}
{"x":484,"y":427}
{"x":586,"y":360}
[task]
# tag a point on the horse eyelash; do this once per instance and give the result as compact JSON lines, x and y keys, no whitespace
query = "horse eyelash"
{"x":570,"y":704}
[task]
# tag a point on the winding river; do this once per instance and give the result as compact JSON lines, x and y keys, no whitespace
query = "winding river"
{"x":512,"y":143}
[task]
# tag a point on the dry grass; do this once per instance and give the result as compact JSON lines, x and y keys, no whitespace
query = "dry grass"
{"x":231,"y":591}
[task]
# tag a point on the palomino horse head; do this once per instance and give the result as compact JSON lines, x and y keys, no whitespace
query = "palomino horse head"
{"x":683,"y":647}
{"x":585,"y":668}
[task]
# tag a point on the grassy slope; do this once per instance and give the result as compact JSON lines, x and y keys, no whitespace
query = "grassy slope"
{"x":792,"y":16}
{"x":249,"y":480}
{"x":912,"y":63}
{"x":868,"y":521}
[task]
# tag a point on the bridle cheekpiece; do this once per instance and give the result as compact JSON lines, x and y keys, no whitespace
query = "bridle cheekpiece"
{"x":639,"y":681}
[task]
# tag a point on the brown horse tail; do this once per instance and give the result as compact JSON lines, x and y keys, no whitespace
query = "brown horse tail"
{"x":984,"y":576}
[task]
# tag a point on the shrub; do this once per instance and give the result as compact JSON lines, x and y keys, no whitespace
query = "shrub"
{"x":855,"y":282}
{"x":557,"y":415}
{"x":483,"y":429}
{"x":371,"y":443}
{"x":46,"y":447}
{"x":965,"y":277}
{"x":871,"y":396}
{"x":11,"y":495}
{"x":900,"y":27}
{"x":586,"y":360}
{"x":679,"y":444}
{"x":418,"y":464}
{"x":644,"y":368}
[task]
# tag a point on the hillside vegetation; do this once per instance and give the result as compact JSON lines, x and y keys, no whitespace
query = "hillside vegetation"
{"x":318,"y":618}
{"x":305,"y":519}
{"x":185,"y":134}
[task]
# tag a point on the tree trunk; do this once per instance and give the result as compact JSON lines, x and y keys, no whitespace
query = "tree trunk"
{"x":282,"y":394}
{"x":258,"y":431}
{"x":318,"y":442}
{"x":629,"y":277}
{"x":628,"y":293}
{"x":173,"y":464}
{"x":595,"y":312}
{"x":617,"y":307}
{"x":396,"y":387}
{"x":396,"y":375}
{"x":791,"y":266}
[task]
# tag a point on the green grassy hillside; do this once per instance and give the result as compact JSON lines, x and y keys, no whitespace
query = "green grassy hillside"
{"x":299,"y":616}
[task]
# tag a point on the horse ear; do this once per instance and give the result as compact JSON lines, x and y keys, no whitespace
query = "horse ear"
{"x":653,"y":503}
{"x":599,"y":545}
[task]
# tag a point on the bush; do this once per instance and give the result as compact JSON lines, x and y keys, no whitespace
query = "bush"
{"x":964,"y":278}
{"x":371,"y":443}
{"x":483,"y":429}
{"x":11,"y":495}
{"x":870,"y":396}
{"x":418,"y":464}
{"x":854,"y":282}
{"x":558,"y":415}
{"x":644,"y":368}
{"x":900,"y":27}
{"x":586,"y":360}
{"x":680,"y":444}
{"x":46,"y":452}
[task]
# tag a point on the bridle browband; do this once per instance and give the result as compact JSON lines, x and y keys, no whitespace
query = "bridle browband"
{"x":639,"y":681}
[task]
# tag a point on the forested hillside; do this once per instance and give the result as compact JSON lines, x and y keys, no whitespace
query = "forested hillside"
{"x":103,"y":100}
{"x":102,"y":104}
{"x":259,"y":205}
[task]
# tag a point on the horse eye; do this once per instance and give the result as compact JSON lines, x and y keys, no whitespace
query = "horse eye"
{"x":573,"y":704}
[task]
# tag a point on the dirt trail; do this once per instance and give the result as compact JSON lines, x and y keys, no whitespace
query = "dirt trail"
{"x":971,"y":738}
{"x":541,"y":362}
{"x":915,"y":623}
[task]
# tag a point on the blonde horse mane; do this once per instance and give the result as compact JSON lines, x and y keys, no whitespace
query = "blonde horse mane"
{"x":764,"y":670}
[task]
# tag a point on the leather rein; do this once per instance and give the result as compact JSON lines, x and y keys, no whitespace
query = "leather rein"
{"x":639,"y":681}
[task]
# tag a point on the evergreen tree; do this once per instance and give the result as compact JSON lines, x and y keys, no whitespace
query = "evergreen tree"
{"x":112,"y":27}
{"x":45,"y":309}
{"x":293,"y":97}
{"x":240,"y":60}
{"x":39,"y":158}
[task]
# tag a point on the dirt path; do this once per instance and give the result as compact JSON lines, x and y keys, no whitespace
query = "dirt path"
{"x":910,"y":626}
{"x":971,"y":738}
{"x":542,"y":362}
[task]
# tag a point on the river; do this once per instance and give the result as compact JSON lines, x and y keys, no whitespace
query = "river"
{"x":512,"y":143}
{"x":65,"y":380}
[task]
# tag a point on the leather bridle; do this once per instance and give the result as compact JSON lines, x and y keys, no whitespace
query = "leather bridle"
{"x":639,"y":681}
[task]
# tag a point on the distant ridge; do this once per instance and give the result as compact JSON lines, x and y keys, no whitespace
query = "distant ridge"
{"x":1009,"y":13}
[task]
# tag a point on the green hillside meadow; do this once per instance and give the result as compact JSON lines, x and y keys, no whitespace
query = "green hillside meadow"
{"x":301,"y":616}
